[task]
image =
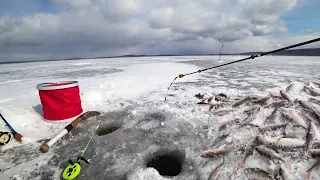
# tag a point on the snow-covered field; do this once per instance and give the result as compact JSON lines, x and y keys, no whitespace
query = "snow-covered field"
{"x":131,"y":92}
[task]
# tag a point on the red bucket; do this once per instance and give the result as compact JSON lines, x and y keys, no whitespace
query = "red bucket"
{"x":60,"y":100}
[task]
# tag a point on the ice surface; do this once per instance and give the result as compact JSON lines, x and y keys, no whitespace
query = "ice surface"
{"x":132,"y":91}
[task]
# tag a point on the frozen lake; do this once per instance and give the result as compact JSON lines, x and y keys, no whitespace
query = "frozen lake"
{"x":130,"y":92}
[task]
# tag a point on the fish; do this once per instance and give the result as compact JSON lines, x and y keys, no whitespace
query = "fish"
{"x":222,"y":135}
{"x":294,"y":117}
{"x":317,"y":84}
{"x":276,"y":104}
{"x":308,"y":136}
{"x":284,"y":172}
{"x":222,"y":112}
{"x":272,"y":126}
{"x":243,"y":100}
{"x":274,"y":112}
{"x":262,"y":100}
{"x":314,"y":152}
{"x":286,"y":143}
{"x":269,"y":153}
{"x":315,"y":131}
{"x":216,"y":152}
{"x":268,"y":141}
{"x":257,"y":174}
{"x":248,"y":149}
{"x":251,"y":116}
{"x":316,"y":144}
{"x":215,"y":172}
{"x":286,"y":96}
{"x":313,"y":91}
{"x":315,"y":100}
{"x":314,"y":165}
{"x":276,"y":98}
{"x":223,"y":125}
{"x":289,"y":87}
{"x":309,"y":108}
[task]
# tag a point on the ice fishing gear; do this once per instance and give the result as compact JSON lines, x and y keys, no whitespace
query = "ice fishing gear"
{"x":73,"y":170}
{"x":45,"y":147}
{"x":16,"y":135}
{"x":5,"y":137}
{"x":244,"y":59}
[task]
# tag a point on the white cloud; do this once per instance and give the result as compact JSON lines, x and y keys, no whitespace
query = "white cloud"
{"x":89,"y":28}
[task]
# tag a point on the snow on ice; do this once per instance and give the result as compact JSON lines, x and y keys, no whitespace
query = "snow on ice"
{"x":130,"y":93}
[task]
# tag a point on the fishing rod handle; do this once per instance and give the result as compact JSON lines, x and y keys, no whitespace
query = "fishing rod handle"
{"x":45,"y":147}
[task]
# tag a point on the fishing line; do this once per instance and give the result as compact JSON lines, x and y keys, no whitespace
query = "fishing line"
{"x":244,"y":59}
{"x":220,"y":49}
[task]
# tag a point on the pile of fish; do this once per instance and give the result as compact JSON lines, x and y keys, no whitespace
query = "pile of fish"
{"x":266,"y":155}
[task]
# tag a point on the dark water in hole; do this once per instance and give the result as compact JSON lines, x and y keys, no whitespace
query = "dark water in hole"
{"x":166,"y":165}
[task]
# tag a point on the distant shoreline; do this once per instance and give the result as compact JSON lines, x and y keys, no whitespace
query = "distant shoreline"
{"x":295,"y":52}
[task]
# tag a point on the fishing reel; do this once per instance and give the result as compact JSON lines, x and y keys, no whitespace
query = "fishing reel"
{"x":5,"y":137}
{"x":73,"y":170}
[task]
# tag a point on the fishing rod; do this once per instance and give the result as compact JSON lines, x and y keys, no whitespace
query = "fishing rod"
{"x":74,"y":168}
{"x":16,"y":135}
{"x":244,"y":59}
{"x":220,"y":49}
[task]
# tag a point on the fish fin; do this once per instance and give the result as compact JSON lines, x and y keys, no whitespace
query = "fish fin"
{"x":211,"y":107}
{"x":202,"y":102}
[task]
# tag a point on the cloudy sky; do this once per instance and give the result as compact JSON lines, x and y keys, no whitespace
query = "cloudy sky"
{"x":50,"y":29}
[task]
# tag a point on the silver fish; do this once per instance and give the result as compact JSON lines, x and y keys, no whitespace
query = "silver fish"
{"x":284,"y":172}
{"x":223,"y":125}
{"x":294,"y":117}
{"x":251,"y":116}
{"x":270,"y":153}
{"x":315,"y":131}
{"x":286,"y":143}
{"x":316,"y":144}
{"x":216,"y":152}
{"x":289,"y":87}
{"x":314,"y":165}
{"x":243,"y":100}
{"x":277,"y":104}
{"x":257,"y":174}
{"x":315,"y":100}
{"x":276,"y":98}
{"x":262,"y":100}
{"x":272,"y":126}
{"x":268,"y":141}
{"x":273,"y":113}
{"x":286,"y":96}
{"x":215,"y":171}
{"x":315,"y":152}
{"x":317,"y":84}
{"x":313,"y":91}
{"x":222,"y":112}
{"x":309,"y":108}
{"x":249,"y":148}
